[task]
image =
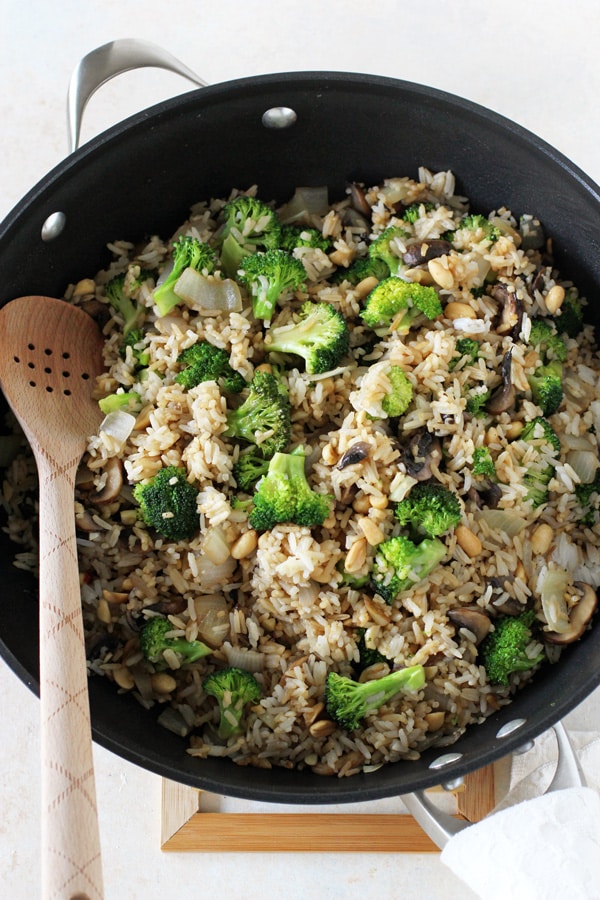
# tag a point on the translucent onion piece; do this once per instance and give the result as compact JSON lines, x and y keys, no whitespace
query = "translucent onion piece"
{"x":208,"y":295}
{"x":118,"y":425}
{"x":173,"y":721}
{"x":502,"y":520}
{"x":584,"y":463}
{"x":240,"y":658}
{"x":212,"y":618}
{"x":552,"y":586}
{"x":577,"y":442}
{"x":212,"y":577}
{"x":306,"y":201}
{"x":215,"y":546}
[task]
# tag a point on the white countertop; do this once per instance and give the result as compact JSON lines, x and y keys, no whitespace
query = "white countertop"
{"x":534,"y":62}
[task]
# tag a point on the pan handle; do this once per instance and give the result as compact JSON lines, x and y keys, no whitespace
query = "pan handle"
{"x":104,"y":63}
{"x":441,"y":826}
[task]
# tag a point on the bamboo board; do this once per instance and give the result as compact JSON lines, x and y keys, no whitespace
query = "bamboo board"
{"x":187,"y":826}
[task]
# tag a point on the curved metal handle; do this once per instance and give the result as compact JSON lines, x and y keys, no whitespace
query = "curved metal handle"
{"x":441,"y":826}
{"x":104,"y":63}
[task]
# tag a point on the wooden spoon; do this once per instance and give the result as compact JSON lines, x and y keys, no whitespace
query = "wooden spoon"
{"x":50,"y":353}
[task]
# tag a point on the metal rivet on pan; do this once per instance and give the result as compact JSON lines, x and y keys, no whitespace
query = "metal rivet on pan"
{"x":445,"y":760}
{"x":53,"y":226}
{"x":279,"y":117}
{"x":453,"y":785}
{"x":509,"y":727}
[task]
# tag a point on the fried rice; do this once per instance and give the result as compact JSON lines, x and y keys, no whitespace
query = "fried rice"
{"x":285,"y":610}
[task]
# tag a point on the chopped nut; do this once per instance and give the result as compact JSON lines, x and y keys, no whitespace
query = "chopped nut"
{"x":541,"y":539}
{"x":468,"y":541}
{"x":245,"y":545}
{"x":457,"y":310}
{"x":554,"y":298}
{"x":371,"y":531}
{"x":357,"y":556}
{"x":322,"y":728}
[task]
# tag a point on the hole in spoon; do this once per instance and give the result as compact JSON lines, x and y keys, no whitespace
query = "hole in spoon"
{"x":67,"y":392}
{"x":85,"y":376}
{"x":66,"y":355}
{"x":32,"y":384}
{"x":30,"y":365}
{"x":31,"y":346}
{"x":47,"y":350}
{"x":16,"y":359}
{"x":49,"y":389}
{"x":66,"y":374}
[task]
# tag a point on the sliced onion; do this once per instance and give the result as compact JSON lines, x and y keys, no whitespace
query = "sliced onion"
{"x":552,"y":585}
{"x":240,"y":658}
{"x":208,"y":295}
{"x":212,"y":577}
{"x":173,"y":721}
{"x":577,"y":442}
{"x":118,"y":425}
{"x":215,"y":545}
{"x":306,"y":201}
{"x":504,"y":520}
{"x":584,"y":463}
{"x":212,"y":618}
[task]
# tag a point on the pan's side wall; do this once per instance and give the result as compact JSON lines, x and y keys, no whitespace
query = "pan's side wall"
{"x":141,"y":177}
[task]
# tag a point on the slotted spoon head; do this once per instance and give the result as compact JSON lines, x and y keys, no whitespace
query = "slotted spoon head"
{"x":50,"y":355}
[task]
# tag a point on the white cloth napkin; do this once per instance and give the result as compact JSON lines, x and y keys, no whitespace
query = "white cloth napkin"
{"x":539,"y":849}
{"x":535,"y":846}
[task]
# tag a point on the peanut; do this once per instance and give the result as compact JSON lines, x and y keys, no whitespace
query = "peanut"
{"x":371,"y":531}
{"x":440,"y":274}
{"x":468,"y":541}
{"x":365,"y":286}
{"x":162,"y":683}
{"x":541,"y":539}
{"x":457,"y":310}
{"x":124,"y":678}
{"x":357,"y":556}
{"x":555,"y":298}
{"x":245,"y":545}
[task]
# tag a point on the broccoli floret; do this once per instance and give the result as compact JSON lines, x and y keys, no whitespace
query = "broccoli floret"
{"x":385,"y":248}
{"x":588,"y":497}
{"x":129,"y":401}
{"x":205,"y":362}
{"x":466,"y":348}
{"x":132,"y":339}
{"x":293,"y":236}
{"x":430,"y":508}
{"x":362,"y":267}
{"x":546,"y":387}
{"x":368,"y":656}
{"x":394,"y":305}
{"x":250,"y":225}
{"x":476,"y":402}
{"x":168,"y":503}
{"x":350,"y":701}
{"x":264,"y":417}
{"x":483,"y":464}
{"x":233,"y":689}
{"x":187,"y":253}
{"x":570,"y":319}
{"x":503,"y":651}
{"x":416,"y":210}
{"x":154,"y":641}
{"x":537,"y":477}
{"x":320,"y":336}
{"x":400,"y":564}
{"x":249,"y":468}
{"x":284,"y":495}
{"x":547,"y":342}
{"x":477,"y":222}
{"x":398,"y":399}
{"x":350,"y":578}
{"x":268,"y":277}
{"x":116,"y":292}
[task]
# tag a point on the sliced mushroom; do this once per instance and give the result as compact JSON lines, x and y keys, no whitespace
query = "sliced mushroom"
{"x":354,"y":454}
{"x":358,"y":199}
{"x":422,"y":251}
{"x":503,"y":397}
{"x":511,"y":315}
{"x":423,"y":450}
{"x":488,"y":493}
{"x":113,"y":484}
{"x":472,"y":618}
{"x":84,"y":521}
{"x":579,"y":617}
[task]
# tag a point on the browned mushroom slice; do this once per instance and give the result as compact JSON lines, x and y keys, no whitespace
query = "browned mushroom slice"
{"x":358,"y":199}
{"x":579,"y":617}
{"x":511,"y":315}
{"x":473,"y":619}
{"x":503,"y":397}
{"x":422,"y":251}
{"x":423,"y":450}
{"x":355,"y":454}
{"x":84,"y":521}
{"x":113,"y":484}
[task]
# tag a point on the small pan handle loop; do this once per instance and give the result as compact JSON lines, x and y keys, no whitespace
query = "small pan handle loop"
{"x":440,"y":826}
{"x":104,"y":63}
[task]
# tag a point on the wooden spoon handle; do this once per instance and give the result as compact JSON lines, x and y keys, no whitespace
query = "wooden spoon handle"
{"x":71,"y":864}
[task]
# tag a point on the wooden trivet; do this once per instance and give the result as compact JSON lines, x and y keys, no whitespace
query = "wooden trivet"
{"x":186,"y":827}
